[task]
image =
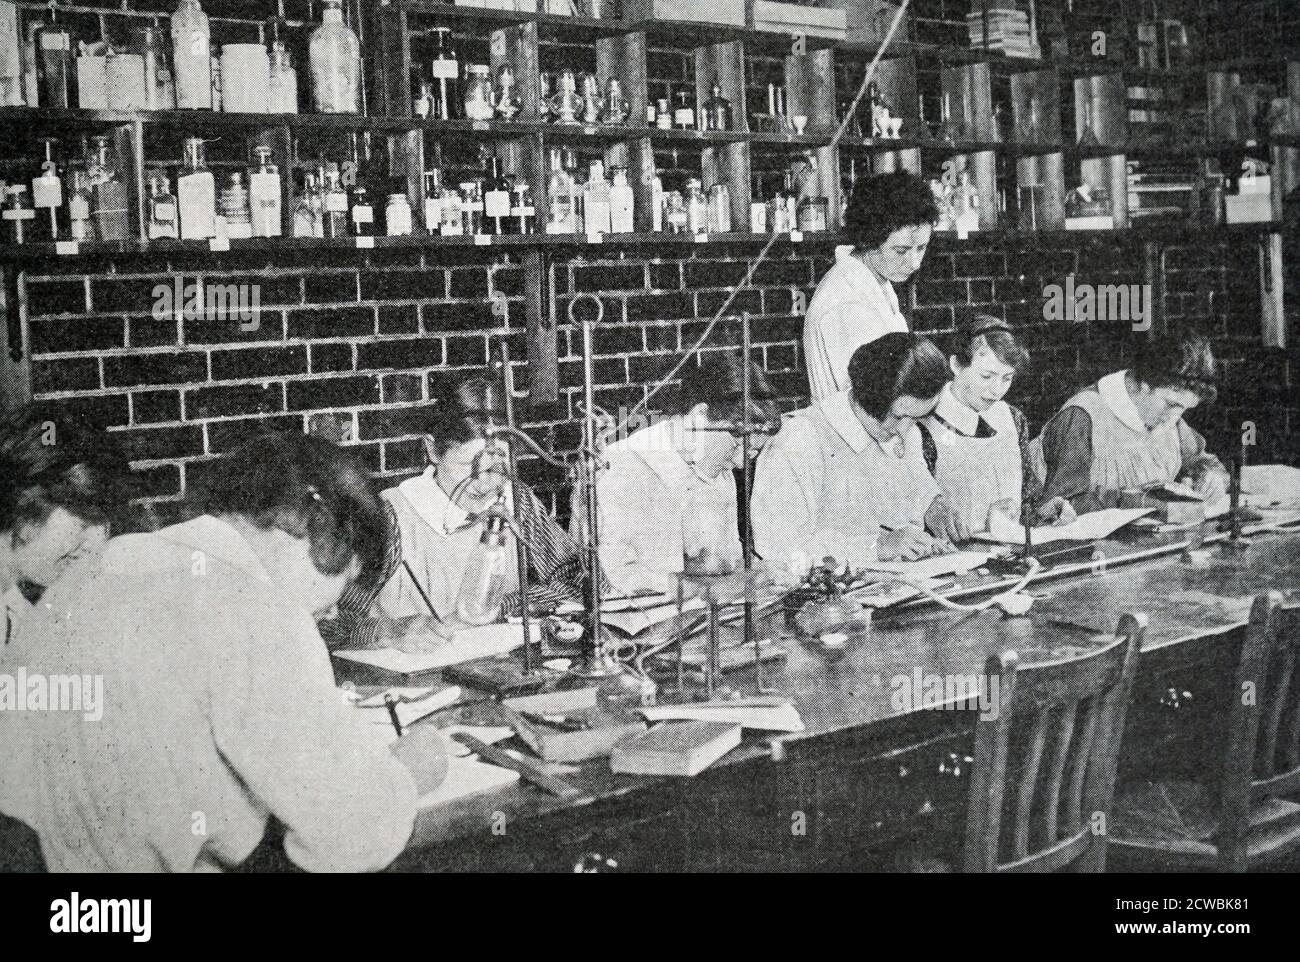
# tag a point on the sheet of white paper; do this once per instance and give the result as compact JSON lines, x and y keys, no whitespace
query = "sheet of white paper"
{"x":776,"y":718}
{"x":466,"y":777}
{"x":633,"y":621}
{"x":1271,"y":485}
{"x":956,"y":562}
{"x":469,"y":644}
{"x":408,"y":712}
{"x":1087,"y":527}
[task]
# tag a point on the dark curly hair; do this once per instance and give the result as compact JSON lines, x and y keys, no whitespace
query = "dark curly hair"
{"x":306,"y":487}
{"x":992,"y":332}
{"x":896,"y":365}
{"x":1184,"y":362}
{"x":718,"y":382}
{"x":885,"y":203}
{"x":466,"y":412}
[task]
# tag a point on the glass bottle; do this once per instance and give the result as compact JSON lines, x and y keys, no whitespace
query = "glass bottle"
{"x":483,"y":585}
{"x":684,"y":111}
{"x":397,"y":216}
{"x":592,"y":101}
{"x":508,"y":103}
{"x":110,"y":200}
{"x":192,"y":56}
{"x":663,"y":115}
{"x":719,"y":209}
{"x":657,"y":204}
{"x":496,"y":198}
{"x":432,"y":201}
{"x":675,"y":213}
{"x":444,"y":74}
{"x":362,"y":216}
{"x":471,"y":207}
{"x":334,"y":56}
{"x":697,"y":207}
{"x":79,"y":223}
{"x":47,"y":191}
{"x":264,"y":196}
{"x":18,"y":215}
{"x":621,"y":204}
{"x":617,"y":110}
{"x":160,"y":91}
{"x":54,"y":68}
{"x":544,"y":86}
{"x":478,"y":93}
{"x":450,"y":204}
{"x":559,"y":194}
{"x":283,"y":87}
{"x":196,"y":195}
{"x":522,"y":212}
{"x":717,"y":110}
{"x":596,"y":200}
{"x":304,"y":217}
{"x":234,"y":207}
{"x":161,"y":209}
{"x":335,"y":204}
{"x":566,"y":105}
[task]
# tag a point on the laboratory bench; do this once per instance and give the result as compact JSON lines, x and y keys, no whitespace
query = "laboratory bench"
{"x":873,"y":780}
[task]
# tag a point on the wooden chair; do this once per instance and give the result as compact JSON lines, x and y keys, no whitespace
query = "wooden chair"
{"x":1045,"y":766}
{"x":1240,"y":819}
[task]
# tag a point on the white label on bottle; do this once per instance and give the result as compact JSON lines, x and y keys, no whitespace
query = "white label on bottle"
{"x":701,"y":238}
{"x":47,"y":192}
{"x":480,"y":125}
{"x":218,"y":243}
{"x":364,"y":241}
{"x":54,"y":41}
{"x":336,"y":203}
{"x":796,"y":236}
{"x":684,"y":118}
{"x":79,"y":208}
{"x":444,"y":69}
{"x":363,"y":215}
{"x":496,"y":203}
{"x":164,"y":213}
{"x":595,"y":238}
{"x":482,"y":240}
{"x":66,"y":247}
{"x":18,"y":213}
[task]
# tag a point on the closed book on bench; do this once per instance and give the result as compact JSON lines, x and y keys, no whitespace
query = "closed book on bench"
{"x":675,"y":748}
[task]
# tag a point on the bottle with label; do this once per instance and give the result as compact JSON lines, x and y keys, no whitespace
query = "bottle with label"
{"x":162,"y":208}
{"x":596,"y":200}
{"x":55,"y":79}
{"x":522,"y":212}
{"x":483,"y":585}
{"x":684,"y":112}
{"x":214,"y":71}
{"x":234,"y":207}
{"x":159,"y":88}
{"x":577,"y":191}
{"x":192,"y":56}
{"x":336,"y":204}
{"x":507,"y":102}
{"x":717,"y":109}
{"x":496,"y":198}
{"x":697,"y":208}
{"x":397,"y":216}
{"x":444,"y":74}
{"x":450,"y":204}
{"x":18,"y":215}
{"x":47,"y":193}
{"x":264,"y":195}
{"x":719,"y":209}
{"x":621,"y":204}
{"x":675,"y":214}
{"x":196,"y":193}
{"x":559,"y":193}
{"x":657,"y":204}
{"x":334,"y":57}
{"x":363,"y":214}
{"x":663,"y":115}
{"x":110,"y":200}
{"x":478,"y":93}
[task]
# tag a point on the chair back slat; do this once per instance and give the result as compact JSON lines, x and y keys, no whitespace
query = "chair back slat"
{"x":1028,"y":779}
{"x":1060,"y":759}
{"x":1051,"y":718}
{"x":1262,"y":751}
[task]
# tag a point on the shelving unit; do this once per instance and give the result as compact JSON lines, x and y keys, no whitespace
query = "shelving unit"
{"x":1011,"y":113}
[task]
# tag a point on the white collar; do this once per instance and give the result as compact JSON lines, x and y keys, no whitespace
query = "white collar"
{"x":660,"y":447}
{"x":1114,"y":394}
{"x":214,"y":537}
{"x":859,"y":274}
{"x":956,"y":413}
{"x":840,"y":415}
{"x":431,"y":503}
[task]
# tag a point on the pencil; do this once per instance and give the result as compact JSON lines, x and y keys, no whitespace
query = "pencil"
{"x":392,"y":713}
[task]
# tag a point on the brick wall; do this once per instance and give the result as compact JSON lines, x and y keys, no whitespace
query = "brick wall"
{"x":353,"y":346}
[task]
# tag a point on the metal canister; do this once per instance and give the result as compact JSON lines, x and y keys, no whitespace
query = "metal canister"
{"x":159,"y":87}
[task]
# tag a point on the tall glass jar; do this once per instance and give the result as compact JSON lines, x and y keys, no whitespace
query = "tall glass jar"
{"x":478,"y":93}
{"x":444,"y":74}
{"x":191,"y":53}
{"x":284,"y":80}
{"x":160,"y":91}
{"x":334,"y":55}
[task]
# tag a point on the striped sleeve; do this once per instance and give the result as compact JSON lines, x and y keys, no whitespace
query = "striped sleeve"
{"x":353,"y":627}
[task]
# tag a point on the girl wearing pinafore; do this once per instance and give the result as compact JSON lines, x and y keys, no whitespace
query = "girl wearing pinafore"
{"x":1102,"y":441}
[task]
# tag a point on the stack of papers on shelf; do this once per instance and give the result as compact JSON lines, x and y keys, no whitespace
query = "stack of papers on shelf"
{"x":1008,"y":29}
{"x":770,"y":714}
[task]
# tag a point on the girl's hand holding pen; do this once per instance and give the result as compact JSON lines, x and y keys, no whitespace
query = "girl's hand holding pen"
{"x":906,"y":544}
{"x":416,"y":634}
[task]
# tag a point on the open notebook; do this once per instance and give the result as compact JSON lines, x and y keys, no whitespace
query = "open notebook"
{"x":1087,"y":527}
{"x":486,"y":641}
